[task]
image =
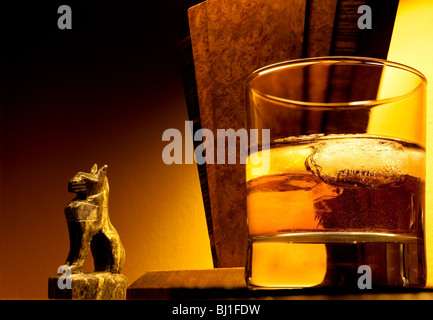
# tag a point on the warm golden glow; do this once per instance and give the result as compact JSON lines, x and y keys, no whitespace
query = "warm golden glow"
{"x":412,"y":44}
{"x":390,"y":119}
{"x":269,"y":211}
{"x":286,"y":264}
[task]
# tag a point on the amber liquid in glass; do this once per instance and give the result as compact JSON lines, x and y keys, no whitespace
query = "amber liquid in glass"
{"x":330,"y":204}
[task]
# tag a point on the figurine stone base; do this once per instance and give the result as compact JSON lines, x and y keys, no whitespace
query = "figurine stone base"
{"x":91,"y":286}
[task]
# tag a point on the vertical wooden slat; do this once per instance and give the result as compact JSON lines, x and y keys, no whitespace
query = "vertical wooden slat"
{"x":349,"y":40}
{"x":346,"y":31}
{"x":186,"y":64}
{"x":198,"y":20}
{"x":319,"y":24}
{"x":375,"y":42}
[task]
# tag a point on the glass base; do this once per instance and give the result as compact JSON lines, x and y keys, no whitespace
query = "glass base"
{"x":352,"y":260}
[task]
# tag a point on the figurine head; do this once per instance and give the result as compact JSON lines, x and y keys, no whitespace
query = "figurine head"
{"x":85,"y":184}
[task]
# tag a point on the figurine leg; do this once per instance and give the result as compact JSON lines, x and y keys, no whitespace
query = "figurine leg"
{"x":79,"y":245}
{"x":101,"y":252}
{"x":118,"y":251}
{"x":108,"y":252}
{"x":118,"y":255}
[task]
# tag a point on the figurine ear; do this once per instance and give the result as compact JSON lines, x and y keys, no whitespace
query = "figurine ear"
{"x":94,"y":169}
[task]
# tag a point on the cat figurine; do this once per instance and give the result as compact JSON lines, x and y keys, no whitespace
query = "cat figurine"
{"x":89,"y":224}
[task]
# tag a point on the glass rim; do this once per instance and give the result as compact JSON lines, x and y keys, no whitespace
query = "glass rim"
{"x":334,"y":105}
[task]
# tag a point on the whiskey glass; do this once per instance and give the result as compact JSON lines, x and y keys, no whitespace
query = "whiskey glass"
{"x":338,"y":197}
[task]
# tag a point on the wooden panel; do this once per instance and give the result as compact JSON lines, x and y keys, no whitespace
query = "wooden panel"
{"x":241,"y":37}
{"x":319,"y":26}
{"x":200,"y":47}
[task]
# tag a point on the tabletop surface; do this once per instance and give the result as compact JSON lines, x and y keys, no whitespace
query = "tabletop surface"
{"x":229,"y":283}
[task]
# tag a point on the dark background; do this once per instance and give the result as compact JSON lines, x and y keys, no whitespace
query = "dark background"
{"x":102,"y":92}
